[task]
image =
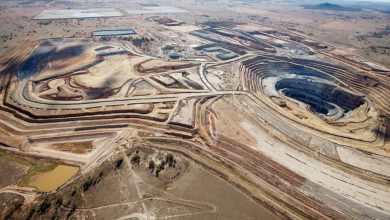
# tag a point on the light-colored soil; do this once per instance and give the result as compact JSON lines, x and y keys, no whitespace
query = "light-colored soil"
{"x":194,"y":186}
{"x":74,"y":147}
{"x":297,"y":123}
{"x":198,"y":184}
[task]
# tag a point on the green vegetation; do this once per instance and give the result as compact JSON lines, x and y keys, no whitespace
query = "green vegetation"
{"x":44,"y":22}
{"x":17,"y":159}
{"x":136,"y":159}
{"x":168,"y":47}
{"x":119,"y":163}
{"x":381,"y":34}
{"x":36,"y":169}
{"x":170,"y":160}
{"x":373,"y":48}
{"x":8,"y":208}
{"x":92,"y":181}
{"x":160,"y":167}
{"x":36,"y":166}
{"x":141,"y":41}
{"x":152,"y":165}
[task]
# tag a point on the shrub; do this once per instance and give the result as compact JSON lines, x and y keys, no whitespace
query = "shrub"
{"x":119,"y":164}
{"x":152,"y":165}
{"x":136,"y":159}
{"x":170,"y":160}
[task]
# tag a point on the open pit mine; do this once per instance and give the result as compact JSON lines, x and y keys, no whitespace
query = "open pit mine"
{"x":114,"y":132}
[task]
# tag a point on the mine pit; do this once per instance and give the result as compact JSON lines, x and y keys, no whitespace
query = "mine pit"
{"x":322,"y":97}
{"x":145,"y":111}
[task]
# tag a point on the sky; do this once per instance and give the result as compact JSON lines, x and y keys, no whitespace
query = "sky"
{"x":385,"y":1}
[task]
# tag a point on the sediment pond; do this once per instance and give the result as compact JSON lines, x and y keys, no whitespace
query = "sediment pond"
{"x":50,"y":180}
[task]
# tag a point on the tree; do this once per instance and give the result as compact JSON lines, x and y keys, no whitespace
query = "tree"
{"x":136,"y":159}
{"x":152,"y":165}
{"x":170,"y":160}
{"x":87,"y":184}
{"x":119,"y":164}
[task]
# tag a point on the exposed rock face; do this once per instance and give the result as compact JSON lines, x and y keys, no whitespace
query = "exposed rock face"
{"x":310,"y":84}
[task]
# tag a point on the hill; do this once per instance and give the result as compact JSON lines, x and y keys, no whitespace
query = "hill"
{"x":330,"y":6}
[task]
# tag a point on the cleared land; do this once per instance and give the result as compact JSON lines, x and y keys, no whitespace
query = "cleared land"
{"x":78,"y":13}
{"x":154,"y":10}
{"x":232,"y":113}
